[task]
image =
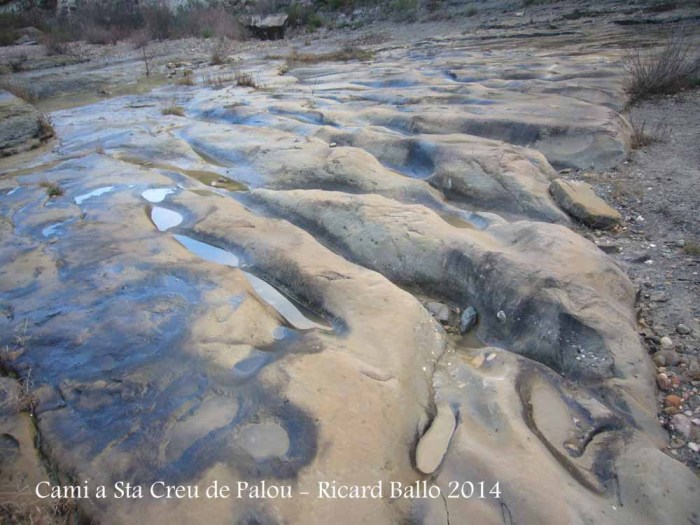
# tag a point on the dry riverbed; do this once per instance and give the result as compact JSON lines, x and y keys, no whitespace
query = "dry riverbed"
{"x":311,"y":263}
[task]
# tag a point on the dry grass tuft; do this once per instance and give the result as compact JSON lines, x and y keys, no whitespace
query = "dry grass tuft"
{"x":16,"y":395}
{"x":219,"y":79}
{"x":238,"y":78}
{"x":20,"y":506}
{"x":692,"y":248}
{"x":19,"y":90}
{"x":187,"y":78}
{"x":244,"y":79}
{"x":173,"y":109}
{"x":18,"y":503}
{"x":45,"y":126}
{"x":344,"y":54}
{"x":652,"y":73}
{"x":642,"y":136}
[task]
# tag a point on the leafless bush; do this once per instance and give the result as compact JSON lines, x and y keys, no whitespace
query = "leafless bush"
{"x":159,"y":20}
{"x":219,"y":52}
{"x":141,"y":38}
{"x":267,"y":7}
{"x":109,"y":21}
{"x":210,"y":22}
{"x":97,"y":34}
{"x":665,"y":71}
{"x":56,"y":43}
{"x":142,"y":41}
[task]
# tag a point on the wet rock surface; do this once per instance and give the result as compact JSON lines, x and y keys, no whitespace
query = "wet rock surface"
{"x":397,"y":297}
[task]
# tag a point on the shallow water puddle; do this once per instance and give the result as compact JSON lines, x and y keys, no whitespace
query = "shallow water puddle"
{"x":165,"y":219}
{"x":156,"y":195}
{"x":208,"y":252}
{"x":456,"y":221}
{"x":265,"y":291}
{"x":53,"y":228}
{"x":210,"y":178}
{"x":94,"y":193}
{"x":283,"y":305}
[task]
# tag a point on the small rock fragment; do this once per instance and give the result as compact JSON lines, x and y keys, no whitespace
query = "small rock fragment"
{"x":610,"y":248}
{"x":671,"y":357}
{"x":659,"y":359}
{"x":501,"y":316}
{"x":659,"y":297}
{"x":467,"y":320}
{"x":666,"y":342}
{"x":681,"y":424}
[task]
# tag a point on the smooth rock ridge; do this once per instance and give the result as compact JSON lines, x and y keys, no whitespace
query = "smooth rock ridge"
{"x":432,"y":447}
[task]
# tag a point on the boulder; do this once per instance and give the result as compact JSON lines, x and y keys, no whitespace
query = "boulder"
{"x":22,"y":127}
{"x":270,"y":27}
{"x":580,"y":201}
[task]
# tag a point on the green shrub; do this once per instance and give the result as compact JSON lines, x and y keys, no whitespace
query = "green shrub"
{"x":52,"y":189}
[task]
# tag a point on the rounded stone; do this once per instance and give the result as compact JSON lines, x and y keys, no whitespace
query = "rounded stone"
{"x":663,"y":382}
{"x":671,"y":357}
{"x":673,"y":401}
{"x":683,"y":329}
{"x":659,"y":359}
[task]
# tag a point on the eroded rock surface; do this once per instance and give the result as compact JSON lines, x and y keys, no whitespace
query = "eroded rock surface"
{"x":21,"y":126}
{"x":178,"y":327}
